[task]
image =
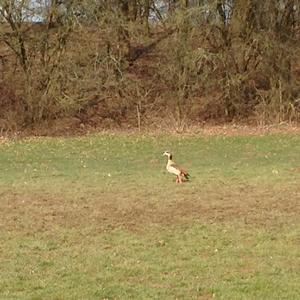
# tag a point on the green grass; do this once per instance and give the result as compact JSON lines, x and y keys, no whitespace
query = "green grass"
{"x":93,"y":159}
{"x":98,"y":217}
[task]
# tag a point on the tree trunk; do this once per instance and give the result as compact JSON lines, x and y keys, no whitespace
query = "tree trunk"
{"x":146,"y":16}
{"x":184,"y":4}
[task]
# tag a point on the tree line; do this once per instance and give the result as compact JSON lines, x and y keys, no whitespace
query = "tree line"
{"x":142,"y":61}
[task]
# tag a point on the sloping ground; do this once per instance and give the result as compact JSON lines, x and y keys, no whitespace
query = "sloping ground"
{"x":143,"y":86}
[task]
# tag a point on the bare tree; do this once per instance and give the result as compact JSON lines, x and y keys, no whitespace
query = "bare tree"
{"x":221,"y":59}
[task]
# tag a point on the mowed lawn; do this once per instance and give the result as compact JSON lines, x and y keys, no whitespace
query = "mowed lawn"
{"x":98,"y":217}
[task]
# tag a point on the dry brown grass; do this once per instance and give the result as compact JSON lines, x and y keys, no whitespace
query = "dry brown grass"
{"x":135,"y":210}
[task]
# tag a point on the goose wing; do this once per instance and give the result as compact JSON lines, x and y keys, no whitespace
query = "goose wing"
{"x":177,"y":170}
{"x":183,"y":171}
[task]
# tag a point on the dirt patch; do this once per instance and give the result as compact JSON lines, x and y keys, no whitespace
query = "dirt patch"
{"x":238,"y":129}
{"x":203,"y":130}
{"x":77,"y":127}
{"x":254,"y":206}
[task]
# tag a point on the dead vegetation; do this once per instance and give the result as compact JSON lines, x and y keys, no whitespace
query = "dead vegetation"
{"x":260,"y":206}
{"x":109,"y":65}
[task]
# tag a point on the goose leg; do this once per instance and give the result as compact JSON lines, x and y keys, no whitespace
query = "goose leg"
{"x":179,"y":179}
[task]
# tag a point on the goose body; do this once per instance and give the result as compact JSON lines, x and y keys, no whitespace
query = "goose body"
{"x":175,"y":169}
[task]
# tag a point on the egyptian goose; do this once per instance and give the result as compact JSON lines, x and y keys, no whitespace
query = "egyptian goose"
{"x":174,"y":169}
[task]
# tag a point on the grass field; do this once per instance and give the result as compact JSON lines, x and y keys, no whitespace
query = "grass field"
{"x":98,"y":217}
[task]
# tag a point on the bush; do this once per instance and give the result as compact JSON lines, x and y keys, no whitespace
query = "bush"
{"x":204,"y":62}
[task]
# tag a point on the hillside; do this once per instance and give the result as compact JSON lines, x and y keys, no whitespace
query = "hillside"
{"x":117,"y":72}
